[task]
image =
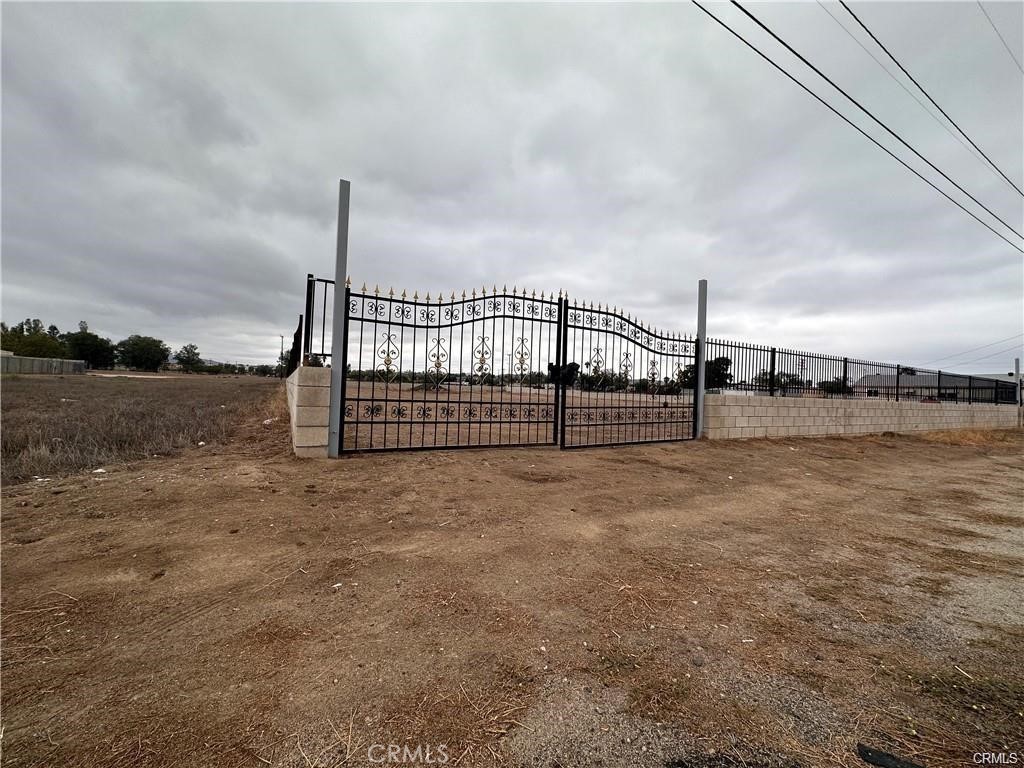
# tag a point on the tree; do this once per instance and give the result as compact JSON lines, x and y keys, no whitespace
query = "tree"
{"x":716,"y":374}
{"x":85,"y":345}
{"x":188,"y":358}
{"x":783,"y":381}
{"x":29,"y":338}
{"x":836,"y":386}
{"x":142,"y":352}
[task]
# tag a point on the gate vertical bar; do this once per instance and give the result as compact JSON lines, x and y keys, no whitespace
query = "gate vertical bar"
{"x":344,"y":369}
{"x":898,"y":366}
{"x":307,"y":328}
{"x":563,"y":362}
{"x":771,"y":375}
{"x":559,"y":345}
{"x":339,"y":338}
{"x":938,"y":386}
{"x":845,"y":389}
{"x":970,"y":390}
{"x":701,"y":350}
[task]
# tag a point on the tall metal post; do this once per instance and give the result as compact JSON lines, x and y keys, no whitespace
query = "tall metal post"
{"x":843,"y":390}
{"x":771,"y":375}
{"x":563,"y":363}
{"x":338,"y":336}
{"x":307,"y":327}
{"x":701,"y":358}
{"x":970,"y":390}
{"x":938,"y":386}
{"x":898,"y":382}
{"x":559,"y":342}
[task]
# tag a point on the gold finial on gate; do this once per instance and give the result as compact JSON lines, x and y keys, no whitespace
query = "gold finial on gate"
{"x":463,"y":293}
{"x":440,"y":296}
{"x":542,"y":295}
{"x":391,"y":293}
{"x":473,"y":293}
{"x":453,"y":295}
{"x":376,"y":290}
{"x":533,"y":294}
{"x":403,"y":294}
{"x":415,"y":295}
{"x":428,"y":296}
{"x":348,"y":282}
{"x":364,"y":287}
{"x":494,"y":289}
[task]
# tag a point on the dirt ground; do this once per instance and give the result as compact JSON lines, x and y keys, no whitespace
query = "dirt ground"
{"x":744,"y":603}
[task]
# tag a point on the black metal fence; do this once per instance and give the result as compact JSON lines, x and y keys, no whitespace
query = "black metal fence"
{"x":504,"y":368}
{"x":736,"y":366}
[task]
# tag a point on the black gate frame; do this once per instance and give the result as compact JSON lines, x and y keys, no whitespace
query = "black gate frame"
{"x":599,"y":402}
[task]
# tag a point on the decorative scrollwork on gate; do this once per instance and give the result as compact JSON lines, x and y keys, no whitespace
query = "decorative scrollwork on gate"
{"x":521,"y":355}
{"x":626,"y":365}
{"x":653,"y":374}
{"x":438,"y":370}
{"x":482,"y":356}
{"x":597,"y":367}
{"x":388,"y":353}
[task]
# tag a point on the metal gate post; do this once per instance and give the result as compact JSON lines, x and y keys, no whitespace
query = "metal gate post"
{"x":307,"y":327}
{"x":339,"y":337}
{"x":771,"y":375}
{"x":970,"y":390}
{"x":559,"y":342}
{"x":898,"y":382}
{"x":700,"y":361}
{"x":845,"y":389}
{"x":563,"y":363}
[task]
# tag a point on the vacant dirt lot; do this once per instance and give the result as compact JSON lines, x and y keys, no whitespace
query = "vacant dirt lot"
{"x":762,"y":603}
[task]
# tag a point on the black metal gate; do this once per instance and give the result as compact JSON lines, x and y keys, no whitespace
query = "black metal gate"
{"x":501,"y":368}
{"x":629,"y":382}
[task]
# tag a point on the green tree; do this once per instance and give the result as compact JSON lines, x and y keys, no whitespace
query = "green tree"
{"x":836,"y":386}
{"x":188,"y":358}
{"x":85,"y":345}
{"x":716,"y":374}
{"x":142,"y":352}
{"x":29,"y":338}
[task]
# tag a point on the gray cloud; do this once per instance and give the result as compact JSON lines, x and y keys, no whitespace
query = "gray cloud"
{"x":172,"y":168}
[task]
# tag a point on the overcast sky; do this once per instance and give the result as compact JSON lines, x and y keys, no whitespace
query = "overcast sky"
{"x":172,"y":169}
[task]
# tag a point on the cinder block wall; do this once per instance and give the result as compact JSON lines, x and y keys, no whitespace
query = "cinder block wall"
{"x":309,"y":403}
{"x":731,"y":416}
{"x":51,"y":366}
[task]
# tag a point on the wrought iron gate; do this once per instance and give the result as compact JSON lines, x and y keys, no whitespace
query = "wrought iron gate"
{"x":633,"y":384}
{"x":502,"y":368}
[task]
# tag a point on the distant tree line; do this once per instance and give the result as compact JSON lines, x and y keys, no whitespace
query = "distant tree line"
{"x":31,"y":338}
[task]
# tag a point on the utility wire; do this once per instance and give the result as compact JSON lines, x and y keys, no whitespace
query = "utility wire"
{"x":860,"y":130}
{"x":921,"y":88}
{"x":1015,"y":347}
{"x":900,"y":83}
{"x":870,"y":114}
{"x":994,"y":27}
{"x":973,"y":349}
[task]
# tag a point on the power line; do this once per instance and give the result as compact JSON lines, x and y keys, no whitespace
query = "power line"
{"x":994,"y":27}
{"x":974,"y":349}
{"x":921,"y":88}
{"x":857,"y":128}
{"x":1015,"y":347}
{"x":899,"y":82}
{"x":870,"y":114}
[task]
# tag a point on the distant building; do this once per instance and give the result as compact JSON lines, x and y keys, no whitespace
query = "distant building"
{"x":935,"y":387}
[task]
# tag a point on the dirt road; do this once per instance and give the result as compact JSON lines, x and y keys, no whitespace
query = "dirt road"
{"x":761,"y":603}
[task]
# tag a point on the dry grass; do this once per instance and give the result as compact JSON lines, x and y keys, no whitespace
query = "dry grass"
{"x":971,"y":437}
{"x":55,"y":426}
